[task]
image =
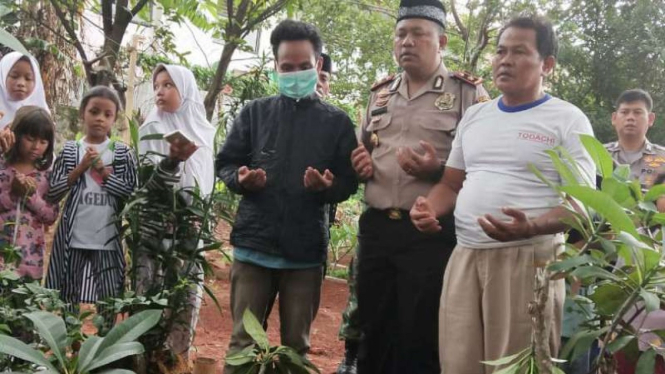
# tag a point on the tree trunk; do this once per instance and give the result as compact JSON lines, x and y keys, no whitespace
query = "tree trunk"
{"x":220,"y":75}
{"x":539,"y":325}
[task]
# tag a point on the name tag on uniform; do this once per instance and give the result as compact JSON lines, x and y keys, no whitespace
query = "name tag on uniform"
{"x":379,"y":111}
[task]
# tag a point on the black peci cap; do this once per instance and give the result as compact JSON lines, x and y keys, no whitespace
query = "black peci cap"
{"x":432,"y":10}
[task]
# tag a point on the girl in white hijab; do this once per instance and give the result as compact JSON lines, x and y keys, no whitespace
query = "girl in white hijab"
{"x":179,"y":106}
{"x":20,"y":85}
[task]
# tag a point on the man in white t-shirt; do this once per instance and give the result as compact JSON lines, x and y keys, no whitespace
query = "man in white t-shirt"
{"x":508,"y":222}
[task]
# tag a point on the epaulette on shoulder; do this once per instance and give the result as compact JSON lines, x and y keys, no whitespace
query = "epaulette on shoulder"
{"x":382,"y":82}
{"x":467,"y":77}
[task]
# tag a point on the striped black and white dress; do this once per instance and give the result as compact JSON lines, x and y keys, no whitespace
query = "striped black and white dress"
{"x":85,"y":276}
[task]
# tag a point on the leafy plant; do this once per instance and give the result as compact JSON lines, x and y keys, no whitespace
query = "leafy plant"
{"x":95,"y":353}
{"x":620,"y":260}
{"x":261,"y":358}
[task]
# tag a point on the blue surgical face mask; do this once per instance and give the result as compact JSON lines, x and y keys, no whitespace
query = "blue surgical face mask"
{"x":298,"y":84}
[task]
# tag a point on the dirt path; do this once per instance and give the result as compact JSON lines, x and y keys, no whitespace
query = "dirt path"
{"x":214,"y":329}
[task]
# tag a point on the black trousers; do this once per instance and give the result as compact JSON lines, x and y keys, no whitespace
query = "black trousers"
{"x":400,"y":276}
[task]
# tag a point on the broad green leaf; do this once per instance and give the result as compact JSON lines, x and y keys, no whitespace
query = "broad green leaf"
{"x":651,"y":301}
{"x":115,"y":353}
{"x":604,"y":205}
{"x":655,"y":192}
{"x":608,"y":298}
{"x":569,"y":263}
{"x":567,"y":175}
{"x":88,"y":351}
{"x":16,"y":348}
{"x":599,"y":154}
{"x":506,"y":360}
{"x":620,"y":342}
{"x":594,"y":271}
{"x":619,"y":191}
{"x":622,"y":172}
{"x":647,"y":362}
{"x":242,"y":357}
{"x":131,"y":328}
{"x":255,"y":330}
{"x":10,"y":41}
{"x":52,"y":329}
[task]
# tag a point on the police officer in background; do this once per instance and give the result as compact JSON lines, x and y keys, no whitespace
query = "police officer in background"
{"x":632,"y":119}
{"x":405,"y":139}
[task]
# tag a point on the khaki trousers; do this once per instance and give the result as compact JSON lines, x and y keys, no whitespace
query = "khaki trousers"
{"x":483,"y":313}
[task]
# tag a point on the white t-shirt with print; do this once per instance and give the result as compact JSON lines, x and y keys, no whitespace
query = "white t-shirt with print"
{"x":494,"y":146}
{"x":93,"y":223}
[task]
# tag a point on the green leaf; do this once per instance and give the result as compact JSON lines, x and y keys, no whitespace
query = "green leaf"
{"x":53,"y":330}
{"x":505,"y":360}
{"x":619,"y":191}
{"x":88,"y":351}
{"x":564,"y":170}
{"x":131,"y":328}
{"x":16,"y":348}
{"x":622,"y":172}
{"x":599,"y":154}
{"x":569,"y":263}
{"x":594,"y":271}
{"x":512,"y":369}
{"x":115,"y":353}
{"x":647,"y":362}
{"x":655,"y":192}
{"x":651,"y":301}
{"x":604,"y":205}
{"x":608,"y":298}
{"x":241,"y":358}
{"x":255,"y":330}
{"x":618,"y":343}
{"x":10,"y":41}
{"x":556,"y":370}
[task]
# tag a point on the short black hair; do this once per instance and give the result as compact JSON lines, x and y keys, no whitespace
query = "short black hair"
{"x":327,"y":63}
{"x":636,"y":94}
{"x":35,"y":122}
{"x":290,"y":30}
{"x":547,"y":42}
{"x":103,"y":92}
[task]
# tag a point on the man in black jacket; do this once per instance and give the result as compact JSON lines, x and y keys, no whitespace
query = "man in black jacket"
{"x":288,"y":156}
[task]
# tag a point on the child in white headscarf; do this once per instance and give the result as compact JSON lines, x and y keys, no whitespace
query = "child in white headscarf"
{"x":20,"y":85}
{"x":178,"y":106}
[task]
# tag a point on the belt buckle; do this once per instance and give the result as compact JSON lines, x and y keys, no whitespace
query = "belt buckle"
{"x":395,"y":214}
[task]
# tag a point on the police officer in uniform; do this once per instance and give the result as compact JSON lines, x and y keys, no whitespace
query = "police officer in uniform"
{"x":405,"y":139}
{"x":631,"y":120}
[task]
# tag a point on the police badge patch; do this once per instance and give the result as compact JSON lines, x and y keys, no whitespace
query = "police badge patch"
{"x":445,"y":101}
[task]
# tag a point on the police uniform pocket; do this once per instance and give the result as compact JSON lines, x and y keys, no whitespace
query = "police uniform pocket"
{"x":379,"y":122}
{"x":435,"y":120}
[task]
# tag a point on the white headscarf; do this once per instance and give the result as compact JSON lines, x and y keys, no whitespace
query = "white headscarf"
{"x":9,"y":106}
{"x":191,"y":120}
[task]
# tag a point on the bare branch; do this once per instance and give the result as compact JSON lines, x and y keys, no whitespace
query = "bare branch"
{"x":70,"y":30}
{"x":458,"y":21}
{"x":139,"y":5}
{"x":267,"y":13}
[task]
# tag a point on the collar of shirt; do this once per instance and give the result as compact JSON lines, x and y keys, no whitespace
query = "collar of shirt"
{"x":434,"y":84}
{"x":647,"y":148}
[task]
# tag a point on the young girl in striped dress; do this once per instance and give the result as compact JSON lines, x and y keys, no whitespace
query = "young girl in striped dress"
{"x":87,"y":263}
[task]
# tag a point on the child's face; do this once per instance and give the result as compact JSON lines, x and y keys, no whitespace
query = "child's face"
{"x":167,"y":97}
{"x":32,"y":148}
{"x":20,"y":81}
{"x":98,"y":117}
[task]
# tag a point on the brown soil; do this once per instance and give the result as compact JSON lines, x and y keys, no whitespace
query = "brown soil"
{"x":214,"y":329}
